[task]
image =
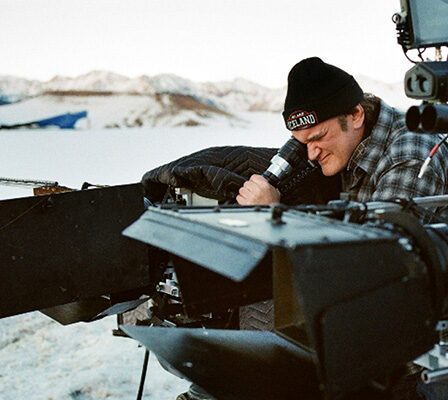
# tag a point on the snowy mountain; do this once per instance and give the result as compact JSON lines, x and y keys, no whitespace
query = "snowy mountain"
{"x":118,"y":110}
{"x":162,"y":99}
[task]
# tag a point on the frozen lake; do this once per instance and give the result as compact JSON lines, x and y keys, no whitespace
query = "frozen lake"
{"x":42,"y":360}
{"x":117,"y":156}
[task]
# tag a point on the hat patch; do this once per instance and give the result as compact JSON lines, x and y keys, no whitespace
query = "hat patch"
{"x":301,"y":120}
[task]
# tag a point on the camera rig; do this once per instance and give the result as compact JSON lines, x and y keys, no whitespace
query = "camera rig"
{"x":358,"y":290}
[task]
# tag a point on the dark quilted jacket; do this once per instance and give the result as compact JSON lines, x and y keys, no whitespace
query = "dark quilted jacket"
{"x":218,"y":173}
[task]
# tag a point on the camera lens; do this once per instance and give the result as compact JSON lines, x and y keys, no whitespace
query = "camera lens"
{"x":413,"y":118}
{"x":429,"y":117}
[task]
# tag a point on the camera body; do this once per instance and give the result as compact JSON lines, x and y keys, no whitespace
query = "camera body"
{"x":421,"y":25}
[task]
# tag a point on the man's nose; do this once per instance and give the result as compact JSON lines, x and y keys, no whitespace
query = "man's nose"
{"x":313,"y":151}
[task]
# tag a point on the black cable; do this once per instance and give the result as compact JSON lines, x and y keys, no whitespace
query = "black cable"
{"x":406,"y":55}
{"x":143,"y":376}
{"x":420,"y":54}
{"x":444,"y":140}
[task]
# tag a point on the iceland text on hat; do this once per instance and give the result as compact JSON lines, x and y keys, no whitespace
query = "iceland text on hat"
{"x":301,"y":120}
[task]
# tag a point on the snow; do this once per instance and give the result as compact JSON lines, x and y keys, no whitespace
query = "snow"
{"x":118,"y":110}
{"x":40,"y":359}
{"x":94,"y":80}
{"x":392,"y":93}
{"x":237,"y":95}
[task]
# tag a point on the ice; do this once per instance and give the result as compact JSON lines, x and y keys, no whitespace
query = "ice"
{"x":118,"y":156}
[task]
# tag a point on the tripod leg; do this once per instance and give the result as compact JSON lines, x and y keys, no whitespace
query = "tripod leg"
{"x":143,"y":377}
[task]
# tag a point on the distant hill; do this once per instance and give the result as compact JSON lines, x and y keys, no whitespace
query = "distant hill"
{"x":115,"y":100}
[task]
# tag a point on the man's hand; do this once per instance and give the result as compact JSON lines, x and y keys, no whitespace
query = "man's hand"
{"x":257,"y":190}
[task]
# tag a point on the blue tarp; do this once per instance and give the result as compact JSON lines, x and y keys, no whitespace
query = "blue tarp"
{"x":65,"y":121}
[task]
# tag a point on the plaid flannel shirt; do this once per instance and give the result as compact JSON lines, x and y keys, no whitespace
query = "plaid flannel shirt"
{"x":386,"y":164}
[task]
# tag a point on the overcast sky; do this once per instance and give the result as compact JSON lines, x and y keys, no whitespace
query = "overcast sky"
{"x":198,"y":39}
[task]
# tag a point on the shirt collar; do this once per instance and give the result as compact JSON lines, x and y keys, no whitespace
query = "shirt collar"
{"x":370,"y":150}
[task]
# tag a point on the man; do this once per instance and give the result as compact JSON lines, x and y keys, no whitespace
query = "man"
{"x":366,"y":141}
{"x":356,"y":135}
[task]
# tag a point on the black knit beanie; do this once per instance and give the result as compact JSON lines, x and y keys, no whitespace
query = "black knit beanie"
{"x":316,"y":92}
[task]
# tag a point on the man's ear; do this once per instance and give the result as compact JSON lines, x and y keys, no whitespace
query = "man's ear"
{"x":358,"y":117}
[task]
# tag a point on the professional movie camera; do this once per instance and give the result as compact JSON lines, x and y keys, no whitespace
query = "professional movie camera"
{"x":358,"y":290}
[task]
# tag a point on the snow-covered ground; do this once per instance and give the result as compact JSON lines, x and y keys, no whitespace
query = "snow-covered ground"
{"x":117,"y":156}
{"x":41,"y":360}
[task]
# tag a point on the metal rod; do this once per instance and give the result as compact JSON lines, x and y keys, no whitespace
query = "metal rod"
{"x":428,"y":201}
{"x":143,"y":377}
{"x":437,"y":375}
{"x":26,"y":182}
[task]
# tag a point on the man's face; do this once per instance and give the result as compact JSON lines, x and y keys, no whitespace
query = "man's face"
{"x":329,"y":145}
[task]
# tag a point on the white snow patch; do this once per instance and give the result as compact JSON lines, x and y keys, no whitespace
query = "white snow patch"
{"x":118,"y":156}
{"x":40,"y":359}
